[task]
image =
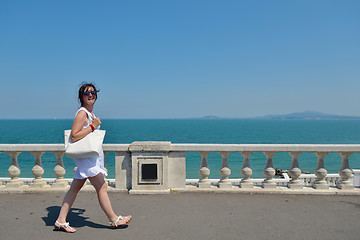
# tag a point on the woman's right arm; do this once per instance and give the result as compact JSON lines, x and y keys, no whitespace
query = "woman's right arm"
{"x":77,"y":131}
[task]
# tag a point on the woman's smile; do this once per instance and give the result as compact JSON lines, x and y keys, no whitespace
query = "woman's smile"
{"x":89,"y":96}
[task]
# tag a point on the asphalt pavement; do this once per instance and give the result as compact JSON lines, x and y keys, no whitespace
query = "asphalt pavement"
{"x":185,"y":216}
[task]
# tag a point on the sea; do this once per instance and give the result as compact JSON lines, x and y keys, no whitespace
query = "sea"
{"x":223,"y":131}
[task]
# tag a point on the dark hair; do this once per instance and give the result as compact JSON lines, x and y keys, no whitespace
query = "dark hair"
{"x":82,"y":89}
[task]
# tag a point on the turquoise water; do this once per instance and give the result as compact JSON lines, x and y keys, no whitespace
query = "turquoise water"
{"x":227,"y":131}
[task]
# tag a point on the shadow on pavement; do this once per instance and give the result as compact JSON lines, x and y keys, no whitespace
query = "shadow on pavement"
{"x":75,"y":214}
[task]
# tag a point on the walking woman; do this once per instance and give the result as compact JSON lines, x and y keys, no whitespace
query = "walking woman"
{"x":89,"y":168}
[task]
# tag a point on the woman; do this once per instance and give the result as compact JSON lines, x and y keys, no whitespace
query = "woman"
{"x":90,"y":168}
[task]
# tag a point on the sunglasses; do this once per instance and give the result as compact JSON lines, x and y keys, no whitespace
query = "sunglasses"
{"x":92,"y":92}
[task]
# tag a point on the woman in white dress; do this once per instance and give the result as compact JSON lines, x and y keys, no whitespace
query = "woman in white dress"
{"x":90,"y":168}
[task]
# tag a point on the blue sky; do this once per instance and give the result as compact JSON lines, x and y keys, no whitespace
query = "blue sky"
{"x":178,"y":59}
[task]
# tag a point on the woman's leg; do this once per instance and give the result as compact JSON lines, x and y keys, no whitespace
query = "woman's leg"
{"x":101,"y":188}
{"x":69,"y":199}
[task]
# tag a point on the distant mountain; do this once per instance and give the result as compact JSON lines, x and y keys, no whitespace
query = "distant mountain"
{"x":211,"y":117}
{"x":310,"y":115}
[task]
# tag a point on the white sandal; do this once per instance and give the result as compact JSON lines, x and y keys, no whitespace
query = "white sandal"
{"x":115,"y":225}
{"x":64,"y":227}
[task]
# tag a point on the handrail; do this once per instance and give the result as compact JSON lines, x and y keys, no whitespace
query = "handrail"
{"x":266,"y":147}
{"x":181,"y":147}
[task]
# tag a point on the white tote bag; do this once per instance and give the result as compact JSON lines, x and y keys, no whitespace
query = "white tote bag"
{"x":87,"y":147}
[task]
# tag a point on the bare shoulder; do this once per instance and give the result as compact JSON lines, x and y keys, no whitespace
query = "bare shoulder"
{"x":81,"y":116}
{"x":82,"y":113}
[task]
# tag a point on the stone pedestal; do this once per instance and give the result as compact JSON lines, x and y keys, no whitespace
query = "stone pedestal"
{"x":15,"y":183}
{"x":246,"y":184}
{"x":269,"y":184}
{"x":320,"y":184}
{"x":225,"y":184}
{"x":155,"y":169}
{"x":204,"y":183}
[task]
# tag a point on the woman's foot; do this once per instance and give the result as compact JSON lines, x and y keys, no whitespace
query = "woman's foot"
{"x":64,"y":227}
{"x":121,"y":221}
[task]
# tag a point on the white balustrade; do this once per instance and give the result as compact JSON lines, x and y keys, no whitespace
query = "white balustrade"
{"x":344,"y":180}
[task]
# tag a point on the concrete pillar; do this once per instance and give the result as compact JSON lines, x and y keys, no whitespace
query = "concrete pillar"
{"x":123,"y":171}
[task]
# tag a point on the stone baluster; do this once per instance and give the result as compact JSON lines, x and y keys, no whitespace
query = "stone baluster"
{"x":345,"y":172}
{"x":59,"y":171}
{"x":38,"y":171}
{"x":225,"y":171}
{"x":204,"y":171}
{"x":246,"y":171}
{"x":269,"y":171}
{"x":14,"y":171}
{"x":320,"y":172}
{"x":295,"y":172}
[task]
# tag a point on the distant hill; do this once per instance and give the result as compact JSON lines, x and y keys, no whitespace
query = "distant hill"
{"x":310,"y":115}
{"x":211,"y":117}
{"x":296,"y":116}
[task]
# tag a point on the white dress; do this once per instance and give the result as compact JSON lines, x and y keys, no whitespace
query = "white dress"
{"x":89,"y":167}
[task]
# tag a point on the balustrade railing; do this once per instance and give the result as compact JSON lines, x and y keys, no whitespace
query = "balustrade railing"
{"x":295,"y":150}
{"x":295,"y":179}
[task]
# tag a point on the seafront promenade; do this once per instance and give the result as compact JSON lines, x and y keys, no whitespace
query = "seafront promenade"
{"x":180,"y":216}
{"x":150,"y":184}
